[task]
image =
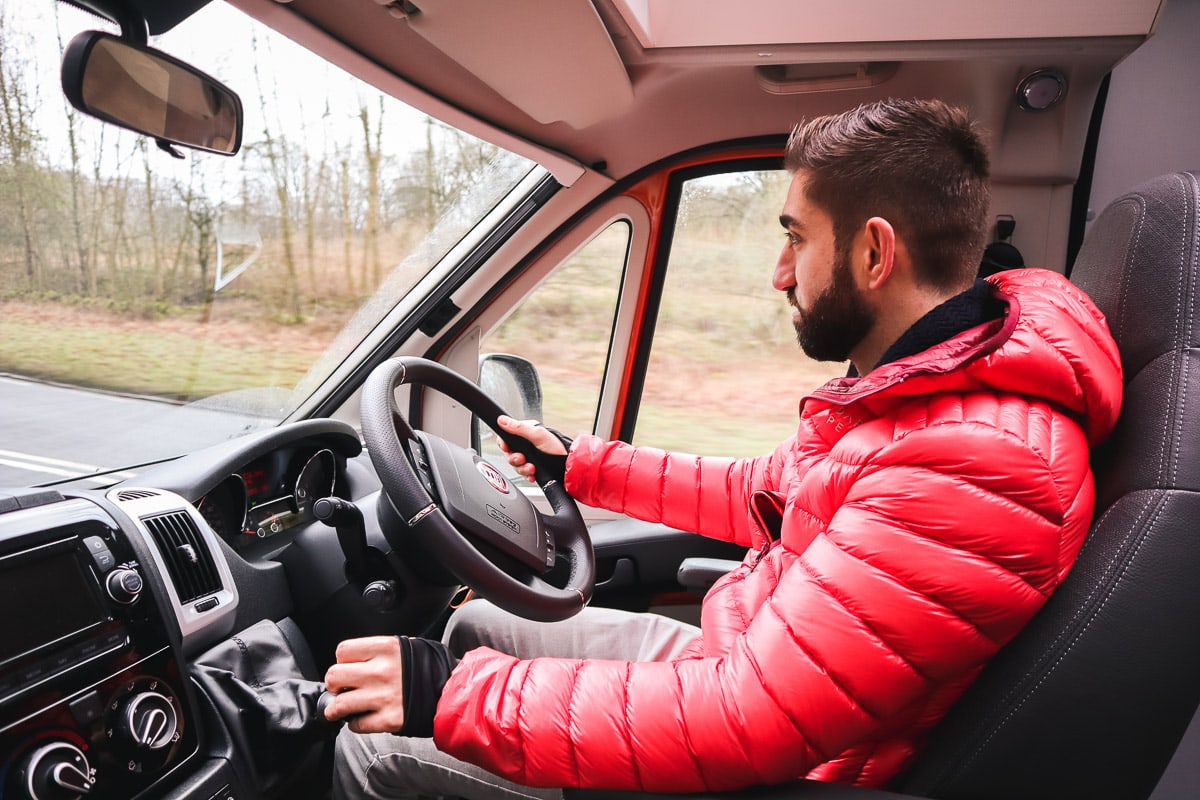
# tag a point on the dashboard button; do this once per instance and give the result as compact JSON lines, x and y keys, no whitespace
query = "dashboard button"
{"x":95,"y":544}
{"x":62,"y":660}
{"x":87,"y":709}
{"x":104,"y":560}
{"x":114,"y":639}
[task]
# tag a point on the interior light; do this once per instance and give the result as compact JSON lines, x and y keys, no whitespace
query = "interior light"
{"x":1041,"y":90}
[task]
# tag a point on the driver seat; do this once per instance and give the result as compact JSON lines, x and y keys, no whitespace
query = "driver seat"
{"x":1092,"y":698}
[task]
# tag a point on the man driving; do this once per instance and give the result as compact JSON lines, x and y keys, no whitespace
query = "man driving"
{"x":926,"y":507}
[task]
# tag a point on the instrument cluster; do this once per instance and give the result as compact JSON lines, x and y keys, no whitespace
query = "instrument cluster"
{"x":270,"y":495}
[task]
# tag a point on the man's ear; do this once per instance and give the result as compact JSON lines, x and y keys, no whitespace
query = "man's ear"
{"x":879,"y":251}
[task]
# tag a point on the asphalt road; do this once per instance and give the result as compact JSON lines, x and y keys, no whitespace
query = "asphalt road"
{"x":50,"y":432}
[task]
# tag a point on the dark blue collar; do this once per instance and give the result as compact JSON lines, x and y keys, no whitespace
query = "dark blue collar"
{"x":962,"y":312}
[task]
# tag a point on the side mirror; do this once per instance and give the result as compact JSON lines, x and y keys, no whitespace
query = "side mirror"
{"x":513,"y":383}
{"x":147,"y":91}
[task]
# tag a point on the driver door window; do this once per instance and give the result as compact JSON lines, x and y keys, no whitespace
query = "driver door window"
{"x":565,"y":328}
{"x":726,"y":375}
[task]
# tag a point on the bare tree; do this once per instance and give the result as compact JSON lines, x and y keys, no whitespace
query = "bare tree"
{"x":372,"y":151}
{"x":429,"y":178}
{"x":347,"y":218}
{"x":100,"y":193}
{"x":201,"y":229}
{"x":152,"y":222}
{"x":448,"y":166}
{"x":186,"y":194}
{"x":118,"y":191}
{"x":19,"y":140}
{"x":278,"y":154}
{"x":87,"y":273}
{"x":312,"y":189}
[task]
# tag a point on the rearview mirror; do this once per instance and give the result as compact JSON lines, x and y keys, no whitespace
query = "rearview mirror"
{"x":147,"y":91}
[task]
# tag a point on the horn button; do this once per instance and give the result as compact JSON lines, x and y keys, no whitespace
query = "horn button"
{"x":482,"y":502}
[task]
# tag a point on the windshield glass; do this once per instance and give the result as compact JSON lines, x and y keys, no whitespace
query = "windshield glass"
{"x":150,"y":305}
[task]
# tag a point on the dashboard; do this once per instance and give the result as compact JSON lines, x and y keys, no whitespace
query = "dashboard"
{"x":114,"y":597}
{"x":118,"y":600}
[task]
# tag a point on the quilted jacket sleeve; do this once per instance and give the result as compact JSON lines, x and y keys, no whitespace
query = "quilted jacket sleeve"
{"x":944,"y":543}
{"x":703,"y":494}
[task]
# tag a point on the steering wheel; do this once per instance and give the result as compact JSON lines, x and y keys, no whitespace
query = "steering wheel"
{"x":450,"y":499}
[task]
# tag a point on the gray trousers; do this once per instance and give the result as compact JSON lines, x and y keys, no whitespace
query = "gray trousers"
{"x":381,"y":765}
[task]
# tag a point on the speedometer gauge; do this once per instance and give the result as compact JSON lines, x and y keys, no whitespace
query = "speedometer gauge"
{"x":224,"y":509}
{"x":316,"y":480}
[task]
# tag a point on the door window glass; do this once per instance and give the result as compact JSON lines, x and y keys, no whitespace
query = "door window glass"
{"x":565,"y":327}
{"x":726,"y":374}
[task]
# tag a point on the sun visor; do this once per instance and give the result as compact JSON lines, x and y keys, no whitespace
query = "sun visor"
{"x":554,"y":61}
{"x":659,"y":24}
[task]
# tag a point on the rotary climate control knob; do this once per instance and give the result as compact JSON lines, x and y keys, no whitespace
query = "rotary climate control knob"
{"x":57,"y":771}
{"x":150,"y":720}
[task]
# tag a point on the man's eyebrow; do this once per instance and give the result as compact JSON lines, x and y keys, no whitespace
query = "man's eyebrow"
{"x":790,"y":222}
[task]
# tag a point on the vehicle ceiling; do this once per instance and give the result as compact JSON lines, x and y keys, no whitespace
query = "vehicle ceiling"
{"x":617,"y":84}
{"x":160,"y":15}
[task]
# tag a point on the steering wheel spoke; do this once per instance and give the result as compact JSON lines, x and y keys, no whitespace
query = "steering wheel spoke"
{"x":453,"y":499}
{"x":404,"y":432}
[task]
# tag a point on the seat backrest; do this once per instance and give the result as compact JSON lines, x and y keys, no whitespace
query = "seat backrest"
{"x":1093,"y":696}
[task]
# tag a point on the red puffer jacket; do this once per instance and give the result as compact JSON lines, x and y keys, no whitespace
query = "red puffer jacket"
{"x":928,"y":509}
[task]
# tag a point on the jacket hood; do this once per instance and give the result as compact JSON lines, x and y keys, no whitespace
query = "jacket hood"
{"x":1052,"y":343}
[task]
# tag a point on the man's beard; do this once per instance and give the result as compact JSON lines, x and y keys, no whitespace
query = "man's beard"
{"x":837,"y":321}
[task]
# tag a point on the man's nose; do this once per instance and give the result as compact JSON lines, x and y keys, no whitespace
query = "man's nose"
{"x":785,"y":271}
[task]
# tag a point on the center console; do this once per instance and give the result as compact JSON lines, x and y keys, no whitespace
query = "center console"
{"x":92,"y":699}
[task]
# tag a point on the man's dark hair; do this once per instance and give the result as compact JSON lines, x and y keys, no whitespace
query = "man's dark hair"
{"x":920,"y":164}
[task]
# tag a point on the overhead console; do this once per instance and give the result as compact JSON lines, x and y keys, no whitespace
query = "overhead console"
{"x":92,"y":698}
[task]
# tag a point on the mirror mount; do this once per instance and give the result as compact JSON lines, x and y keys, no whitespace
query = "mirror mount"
{"x":168,"y":148}
{"x":134,"y":26}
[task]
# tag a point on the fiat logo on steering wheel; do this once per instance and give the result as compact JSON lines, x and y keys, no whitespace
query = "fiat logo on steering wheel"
{"x":492,"y":476}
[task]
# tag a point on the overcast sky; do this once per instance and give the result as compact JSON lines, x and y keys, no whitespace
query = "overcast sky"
{"x":317,"y":103}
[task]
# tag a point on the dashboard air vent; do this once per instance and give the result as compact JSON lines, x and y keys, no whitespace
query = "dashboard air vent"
{"x":135,"y":494}
{"x":187,"y":556}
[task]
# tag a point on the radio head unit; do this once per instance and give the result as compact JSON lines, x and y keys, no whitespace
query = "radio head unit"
{"x":92,"y":698}
{"x":49,"y":597}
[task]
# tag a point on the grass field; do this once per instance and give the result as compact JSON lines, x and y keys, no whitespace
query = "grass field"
{"x":179,"y":358}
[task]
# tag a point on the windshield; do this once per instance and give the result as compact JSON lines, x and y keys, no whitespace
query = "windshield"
{"x":150,"y":305}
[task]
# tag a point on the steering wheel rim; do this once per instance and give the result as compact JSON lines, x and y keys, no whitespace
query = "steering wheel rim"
{"x":386,"y":429}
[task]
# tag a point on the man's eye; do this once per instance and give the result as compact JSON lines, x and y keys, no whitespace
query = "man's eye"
{"x":792,"y":238}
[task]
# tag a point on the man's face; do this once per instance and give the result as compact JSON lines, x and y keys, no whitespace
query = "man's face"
{"x":830,"y":314}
